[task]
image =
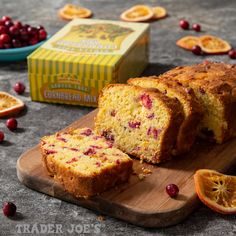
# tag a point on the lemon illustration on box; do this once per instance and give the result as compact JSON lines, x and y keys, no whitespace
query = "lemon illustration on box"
{"x":84,"y":56}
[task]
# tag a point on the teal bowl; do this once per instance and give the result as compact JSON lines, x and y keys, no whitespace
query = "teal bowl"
{"x":18,"y":54}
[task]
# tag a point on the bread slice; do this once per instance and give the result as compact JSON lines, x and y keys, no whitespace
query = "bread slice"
{"x":191,"y":108}
{"x":141,"y":122}
{"x":85,"y":163}
{"x":214,"y":85}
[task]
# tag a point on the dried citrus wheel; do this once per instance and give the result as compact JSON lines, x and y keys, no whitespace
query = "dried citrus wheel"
{"x":213,"y":45}
{"x":188,"y":42}
{"x":137,"y":13}
{"x":159,"y":12}
{"x":70,"y":12}
{"x":216,"y":190}
{"x":9,"y":104}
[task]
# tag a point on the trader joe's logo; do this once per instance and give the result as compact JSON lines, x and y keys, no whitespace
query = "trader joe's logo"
{"x":93,"y":38}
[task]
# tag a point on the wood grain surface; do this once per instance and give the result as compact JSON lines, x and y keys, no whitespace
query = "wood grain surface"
{"x":141,"y":202}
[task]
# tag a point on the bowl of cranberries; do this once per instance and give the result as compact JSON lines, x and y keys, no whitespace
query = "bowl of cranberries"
{"x":18,"y":40}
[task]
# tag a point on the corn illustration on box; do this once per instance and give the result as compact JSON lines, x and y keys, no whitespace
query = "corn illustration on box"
{"x":84,"y":56}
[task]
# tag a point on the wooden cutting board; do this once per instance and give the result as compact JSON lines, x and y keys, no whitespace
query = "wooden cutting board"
{"x":141,"y":202}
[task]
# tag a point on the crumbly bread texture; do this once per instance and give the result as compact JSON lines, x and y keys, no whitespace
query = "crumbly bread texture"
{"x":141,"y":122}
{"x":191,"y":108}
{"x":214,"y":85}
{"x":85,"y":163}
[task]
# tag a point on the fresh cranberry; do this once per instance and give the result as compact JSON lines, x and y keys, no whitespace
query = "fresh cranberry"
{"x":13,"y":30}
{"x":9,"y":209}
{"x":8,"y":23}
{"x":5,"y":38}
{"x":33,"y":41}
{"x":2,"y":136}
{"x":2,"y":22}
{"x":19,"y":88}
{"x":6,"y":18}
{"x":184,"y":24}
{"x":172,"y":190}
{"x":7,"y":45}
{"x":24,"y":34}
{"x":40,"y":27}
{"x":146,"y":101}
{"x":3,"y":29}
{"x":1,"y":45}
{"x":42,"y":34}
{"x":197,"y":50}
{"x":196,"y":27}
{"x":16,"y":43}
{"x":11,"y":124}
{"x":17,"y":24}
{"x":32,"y":30}
{"x":232,"y":54}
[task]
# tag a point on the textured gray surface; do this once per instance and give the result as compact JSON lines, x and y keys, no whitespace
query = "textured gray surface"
{"x":216,"y":17}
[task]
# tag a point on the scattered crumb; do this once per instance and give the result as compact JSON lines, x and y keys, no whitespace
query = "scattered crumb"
{"x":146,"y":171}
{"x":101,"y":218}
{"x":141,"y":176}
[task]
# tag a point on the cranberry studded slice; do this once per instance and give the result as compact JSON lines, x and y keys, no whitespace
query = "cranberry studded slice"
{"x":134,"y":124}
{"x":9,"y":209}
{"x":146,"y":101}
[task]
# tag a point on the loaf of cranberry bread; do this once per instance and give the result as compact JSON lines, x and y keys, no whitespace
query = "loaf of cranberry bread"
{"x":85,"y":163}
{"x":214,"y":84}
{"x":141,"y":122}
{"x":191,"y":108}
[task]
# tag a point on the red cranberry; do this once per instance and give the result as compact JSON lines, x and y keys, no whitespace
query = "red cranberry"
{"x":3,"y":29}
{"x":24,"y":34}
{"x":11,"y":124}
{"x":19,"y":88}
{"x":42,"y":34}
{"x":8,"y":23}
{"x":2,"y":22}
{"x":197,"y":50}
{"x":13,"y":30}
{"x":16,"y":43}
{"x":9,"y":209}
{"x":40,"y":27}
{"x":232,"y":54}
{"x":32,"y":30}
{"x":33,"y":41}
{"x":5,"y":38}
{"x":196,"y":27}
{"x":17,"y":24}
{"x":6,"y":18}
{"x":172,"y":190}
{"x":2,"y":136}
{"x":1,"y":45}
{"x":184,"y":24}
{"x":7,"y":45}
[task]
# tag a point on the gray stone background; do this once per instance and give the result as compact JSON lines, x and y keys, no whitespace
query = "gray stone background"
{"x":216,"y":17}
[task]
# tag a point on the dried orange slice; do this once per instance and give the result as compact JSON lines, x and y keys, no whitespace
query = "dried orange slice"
{"x":137,"y":13}
{"x":159,"y":12}
{"x":70,"y":12}
{"x":216,"y":190}
{"x":9,"y":104}
{"x":213,"y":45}
{"x":188,"y":42}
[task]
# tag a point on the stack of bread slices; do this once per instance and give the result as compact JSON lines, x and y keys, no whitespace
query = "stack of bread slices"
{"x":151,"y":118}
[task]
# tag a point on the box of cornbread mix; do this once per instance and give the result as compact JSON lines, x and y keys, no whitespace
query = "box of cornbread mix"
{"x":84,"y":56}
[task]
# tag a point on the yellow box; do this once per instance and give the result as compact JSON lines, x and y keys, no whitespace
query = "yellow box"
{"x":84,"y":56}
